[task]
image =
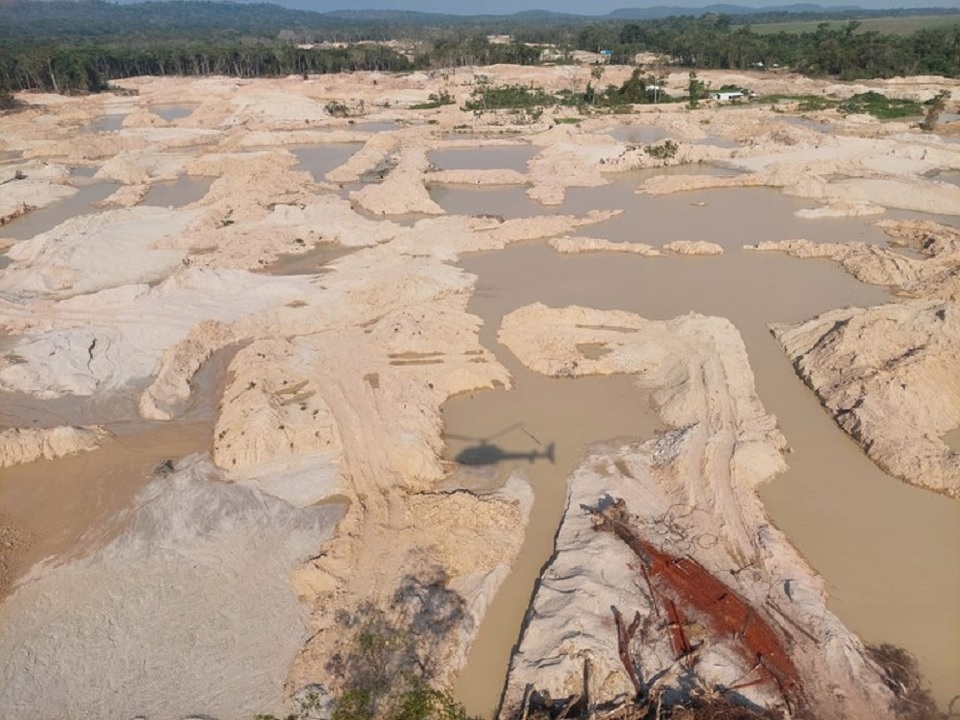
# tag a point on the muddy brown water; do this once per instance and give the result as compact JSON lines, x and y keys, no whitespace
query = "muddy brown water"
{"x":731,"y":217}
{"x":183,"y":191}
{"x":311,"y":262}
{"x":952,"y":440}
{"x":318,"y":160}
{"x":890,"y":552}
{"x":485,"y":157}
{"x":512,"y":201}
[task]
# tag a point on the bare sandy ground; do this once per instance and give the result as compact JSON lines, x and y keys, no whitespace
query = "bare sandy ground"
{"x":336,"y":387}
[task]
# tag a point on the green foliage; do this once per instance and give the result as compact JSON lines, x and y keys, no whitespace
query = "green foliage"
{"x":336,"y":108}
{"x":500,"y":97}
{"x":7,"y":101}
{"x":813,"y":103}
{"x":389,"y":659}
{"x":88,"y":67}
{"x":880,"y":106}
{"x":662,"y":151}
{"x":435,"y":100}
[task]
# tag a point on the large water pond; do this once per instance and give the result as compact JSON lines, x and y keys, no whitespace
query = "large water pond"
{"x":839,"y":509}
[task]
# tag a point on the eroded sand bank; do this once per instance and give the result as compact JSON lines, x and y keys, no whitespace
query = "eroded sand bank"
{"x":337,"y":384}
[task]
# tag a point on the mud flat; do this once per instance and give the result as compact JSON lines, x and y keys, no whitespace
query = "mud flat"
{"x":325,"y":478}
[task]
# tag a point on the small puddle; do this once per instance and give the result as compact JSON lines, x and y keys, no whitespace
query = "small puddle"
{"x":173,"y":112}
{"x":807,"y":124}
{"x":952,"y":440}
{"x":310,"y":262}
{"x":714,"y":141}
{"x":374,"y":127}
{"x":834,"y":503}
{"x":183,"y":191}
{"x":485,"y":157}
{"x":107,"y":123}
{"x":83,"y":202}
{"x":318,"y":160}
{"x":638,"y":134}
{"x":951,"y":177}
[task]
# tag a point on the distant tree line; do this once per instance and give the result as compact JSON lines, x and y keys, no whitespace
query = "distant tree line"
{"x":89,"y":67}
{"x":82,"y":46}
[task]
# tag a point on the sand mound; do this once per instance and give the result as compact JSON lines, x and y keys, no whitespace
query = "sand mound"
{"x":23,"y":445}
{"x":887,"y":375}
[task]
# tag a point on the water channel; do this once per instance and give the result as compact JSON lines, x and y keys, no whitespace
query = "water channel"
{"x":890,"y":552}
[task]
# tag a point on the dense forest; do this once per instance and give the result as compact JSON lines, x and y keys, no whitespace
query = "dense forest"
{"x":82,"y":46}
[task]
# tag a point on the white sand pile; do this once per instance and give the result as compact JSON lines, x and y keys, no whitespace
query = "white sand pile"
{"x":106,"y":340}
{"x":571,"y":245}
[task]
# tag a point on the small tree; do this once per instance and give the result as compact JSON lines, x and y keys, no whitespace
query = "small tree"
{"x":7,"y":101}
{"x":695,"y":89}
{"x":929,"y":123}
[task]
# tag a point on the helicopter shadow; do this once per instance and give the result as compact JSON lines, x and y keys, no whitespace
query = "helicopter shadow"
{"x":485,"y":452}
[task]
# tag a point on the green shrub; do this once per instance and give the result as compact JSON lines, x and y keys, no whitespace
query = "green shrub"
{"x":435,"y":100}
{"x":880,"y":106}
{"x":663,"y":151}
{"x":508,"y":97}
